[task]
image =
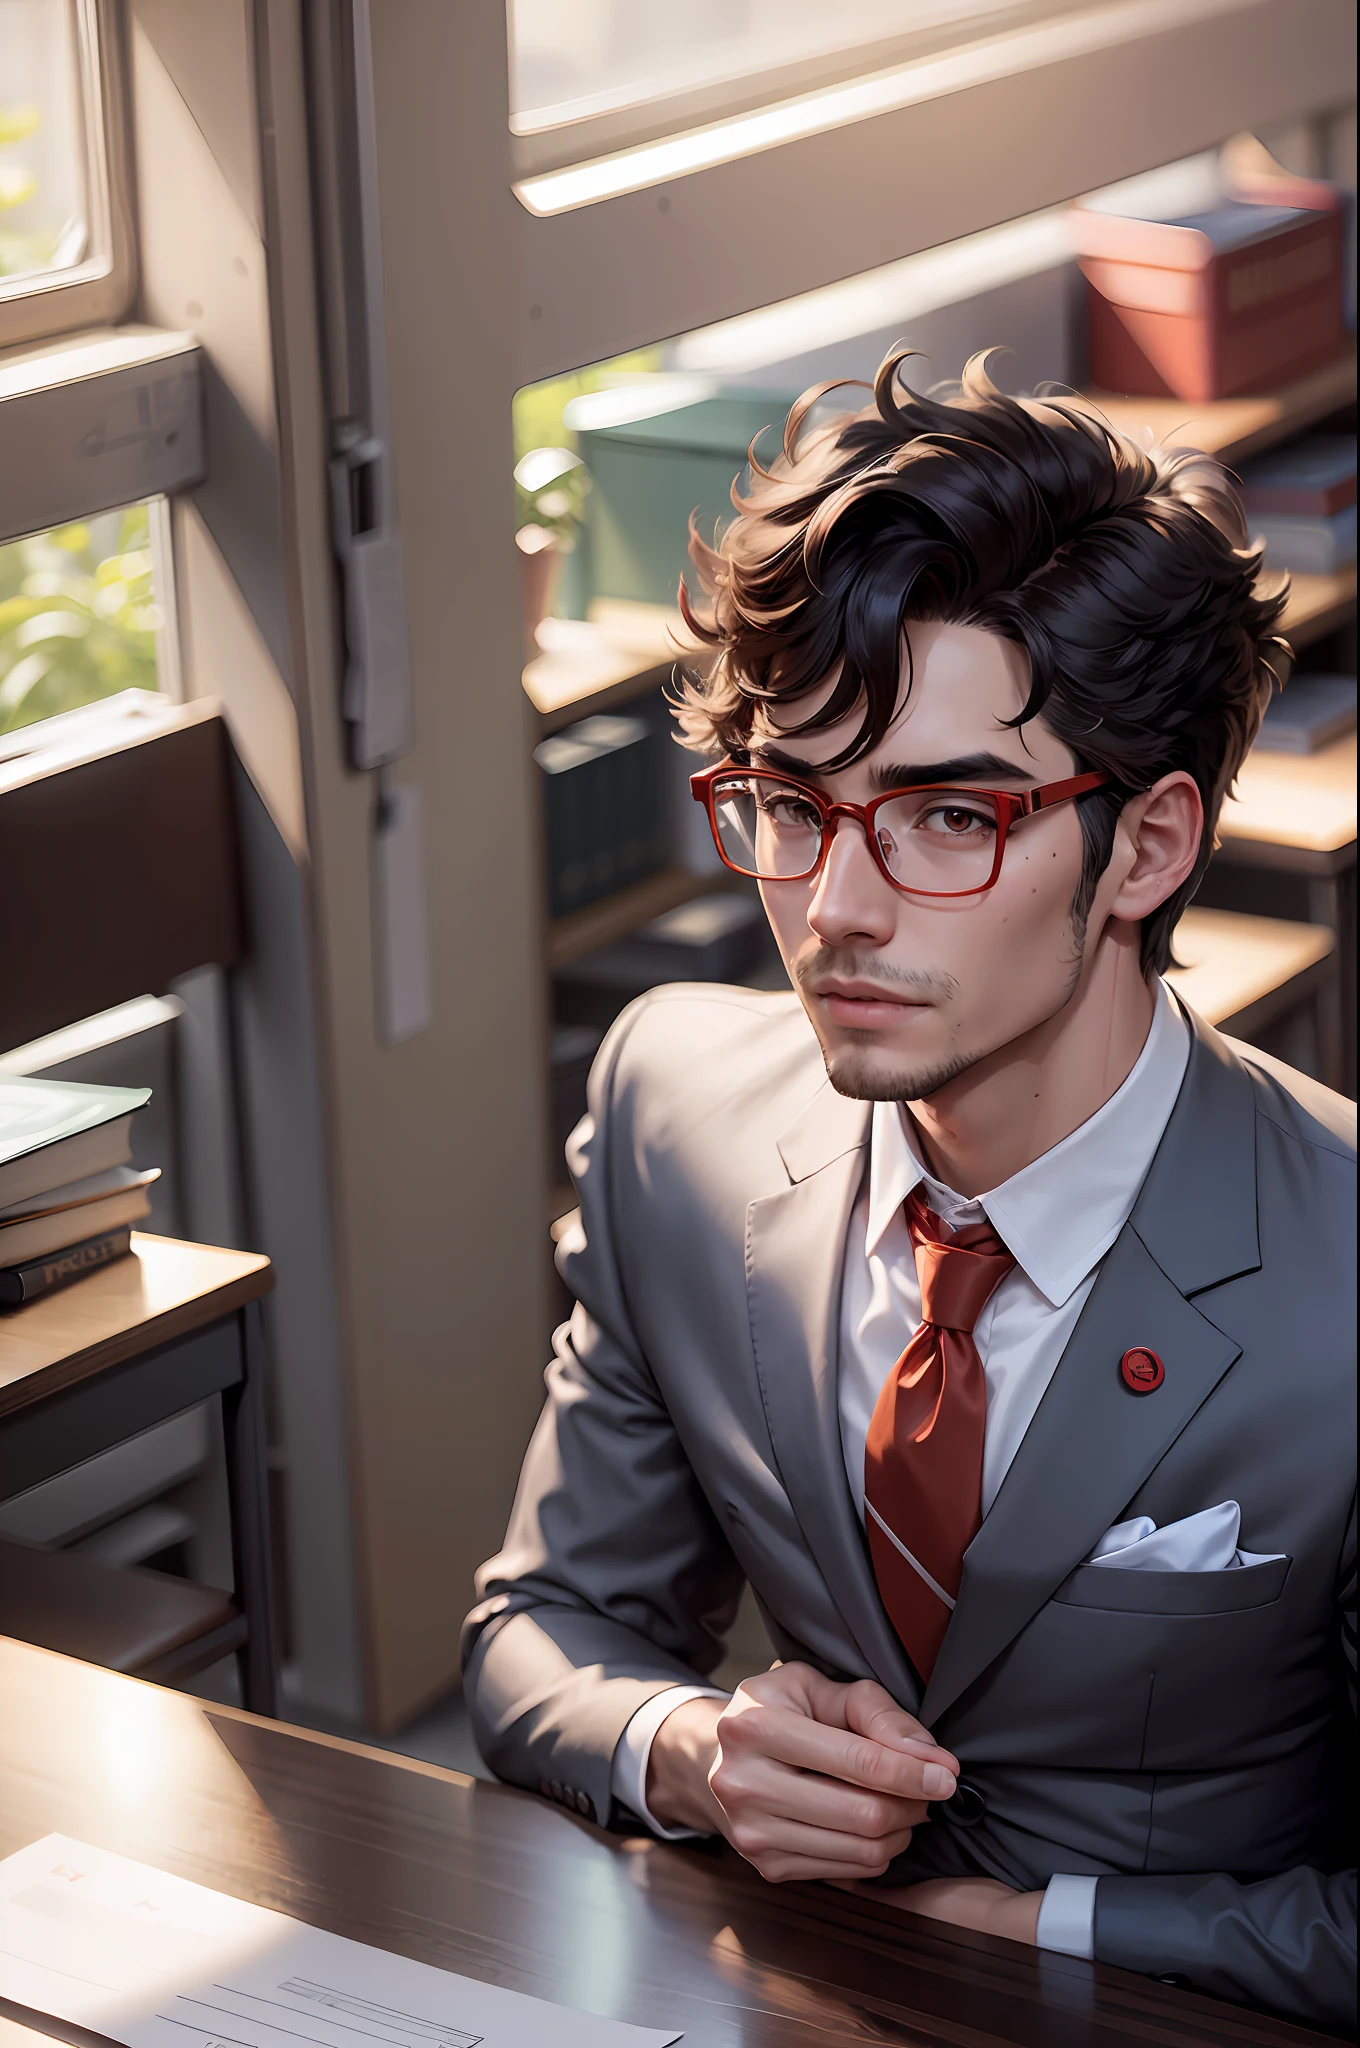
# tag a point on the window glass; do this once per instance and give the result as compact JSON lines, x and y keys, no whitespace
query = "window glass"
{"x":573,"y":59}
{"x":44,"y":188}
{"x":79,"y":616}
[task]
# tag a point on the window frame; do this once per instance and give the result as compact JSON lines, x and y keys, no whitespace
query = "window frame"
{"x":1172,"y":77}
{"x":540,"y":146}
{"x":99,"y":290}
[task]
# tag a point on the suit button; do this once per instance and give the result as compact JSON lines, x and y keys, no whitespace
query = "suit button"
{"x":545,"y":1788}
{"x":583,"y":1803}
{"x":967,"y":1806}
{"x":555,"y":1788}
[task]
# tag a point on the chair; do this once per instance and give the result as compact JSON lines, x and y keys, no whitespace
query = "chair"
{"x":144,"y":1623}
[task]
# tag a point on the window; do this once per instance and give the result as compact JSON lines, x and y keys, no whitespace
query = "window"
{"x":587,"y":76}
{"x":571,"y":59}
{"x":83,"y":614}
{"x":65,"y":246}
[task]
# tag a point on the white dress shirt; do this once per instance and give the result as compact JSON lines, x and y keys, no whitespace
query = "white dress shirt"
{"x":1058,"y":1216}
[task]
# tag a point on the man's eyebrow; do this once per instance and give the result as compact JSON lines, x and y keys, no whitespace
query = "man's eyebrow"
{"x":963,"y":768}
{"x":901,"y":774}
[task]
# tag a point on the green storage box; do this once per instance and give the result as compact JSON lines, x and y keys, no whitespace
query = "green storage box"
{"x":650,"y":474}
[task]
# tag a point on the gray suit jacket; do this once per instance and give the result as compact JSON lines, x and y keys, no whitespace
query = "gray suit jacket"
{"x":1179,"y":1734}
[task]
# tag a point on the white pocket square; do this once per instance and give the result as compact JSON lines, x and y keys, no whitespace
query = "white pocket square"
{"x":1206,"y":1542}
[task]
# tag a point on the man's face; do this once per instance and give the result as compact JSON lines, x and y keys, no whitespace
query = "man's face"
{"x":906,"y":992}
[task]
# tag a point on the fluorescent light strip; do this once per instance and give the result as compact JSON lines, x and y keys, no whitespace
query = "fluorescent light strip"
{"x":677,"y":156}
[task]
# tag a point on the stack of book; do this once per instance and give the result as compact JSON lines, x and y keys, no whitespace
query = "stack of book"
{"x":68,"y":1192}
{"x":1300,"y":500}
{"x":606,"y":809}
{"x":1312,"y":712}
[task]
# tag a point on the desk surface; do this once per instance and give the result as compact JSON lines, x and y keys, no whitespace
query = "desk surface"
{"x":164,"y":1290}
{"x":1230,"y":961}
{"x":495,"y":1884}
{"x":1301,"y":800}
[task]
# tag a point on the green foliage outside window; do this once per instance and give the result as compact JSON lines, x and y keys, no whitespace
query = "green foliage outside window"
{"x":78,"y":618}
{"x":24,"y":250}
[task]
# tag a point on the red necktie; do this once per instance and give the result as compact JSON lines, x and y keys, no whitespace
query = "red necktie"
{"x":923,"y":1456}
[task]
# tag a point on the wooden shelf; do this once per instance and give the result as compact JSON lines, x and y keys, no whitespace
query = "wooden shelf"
{"x":1234,"y":428}
{"x":1318,"y":605}
{"x":1305,"y":801}
{"x":1234,"y":962}
{"x":599,"y":924}
{"x":603,"y":661}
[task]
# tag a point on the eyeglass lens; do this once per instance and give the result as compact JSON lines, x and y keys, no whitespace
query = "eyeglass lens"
{"x":940,"y":840}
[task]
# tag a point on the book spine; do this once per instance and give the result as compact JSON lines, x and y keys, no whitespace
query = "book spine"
{"x":1298,"y":501}
{"x":42,"y":1276}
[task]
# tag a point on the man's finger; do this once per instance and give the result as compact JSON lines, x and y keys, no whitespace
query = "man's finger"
{"x":763,"y":1784}
{"x":766,"y":1838}
{"x":871,"y":1711}
{"x":837,"y":1753}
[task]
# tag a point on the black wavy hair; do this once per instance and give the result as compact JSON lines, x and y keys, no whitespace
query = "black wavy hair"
{"x":1125,"y":574}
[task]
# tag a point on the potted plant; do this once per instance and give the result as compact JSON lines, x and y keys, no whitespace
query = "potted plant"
{"x":550,"y":493}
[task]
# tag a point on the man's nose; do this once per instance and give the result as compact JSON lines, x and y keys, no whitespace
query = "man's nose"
{"x":852,"y":900}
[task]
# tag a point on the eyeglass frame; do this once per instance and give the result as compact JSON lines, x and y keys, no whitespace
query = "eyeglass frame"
{"x":1011,"y":805}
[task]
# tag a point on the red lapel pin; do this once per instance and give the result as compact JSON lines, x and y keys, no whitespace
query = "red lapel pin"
{"x":1141,"y":1370}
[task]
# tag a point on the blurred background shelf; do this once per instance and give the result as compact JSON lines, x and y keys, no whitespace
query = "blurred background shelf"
{"x":1267,"y":980}
{"x":600,"y":924}
{"x":1307,"y":801}
{"x":1318,"y":605}
{"x":1233,"y":428}
{"x":621,"y":650}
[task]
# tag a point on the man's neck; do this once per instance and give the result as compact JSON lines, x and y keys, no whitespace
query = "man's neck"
{"x":1019,"y":1102}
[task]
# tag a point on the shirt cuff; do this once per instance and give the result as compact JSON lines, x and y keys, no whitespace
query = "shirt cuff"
{"x":628,"y":1773}
{"x":1067,"y":1917}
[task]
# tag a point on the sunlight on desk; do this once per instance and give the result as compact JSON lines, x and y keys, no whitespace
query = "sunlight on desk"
{"x":1303,"y":800}
{"x":161,"y":1277}
{"x":1232,"y":961}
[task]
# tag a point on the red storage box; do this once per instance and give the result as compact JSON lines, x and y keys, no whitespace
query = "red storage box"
{"x":1238,"y":299}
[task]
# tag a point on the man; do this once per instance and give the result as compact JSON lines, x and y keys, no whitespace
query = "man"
{"x":978,"y":1303}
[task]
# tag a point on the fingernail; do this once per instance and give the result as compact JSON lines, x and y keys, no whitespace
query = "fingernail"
{"x":937,"y":1781}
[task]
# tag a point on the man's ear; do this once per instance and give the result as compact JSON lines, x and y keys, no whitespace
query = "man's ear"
{"x":1162,"y":827}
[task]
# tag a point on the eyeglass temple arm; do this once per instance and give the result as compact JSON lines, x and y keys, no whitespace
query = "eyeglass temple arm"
{"x":1058,"y":792}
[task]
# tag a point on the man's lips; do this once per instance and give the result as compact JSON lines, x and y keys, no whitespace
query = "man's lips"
{"x":864,"y":992}
{"x":865,"y":1004}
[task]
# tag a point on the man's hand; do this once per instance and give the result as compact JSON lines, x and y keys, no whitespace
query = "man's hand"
{"x":806,"y":1778}
{"x":978,"y":1902}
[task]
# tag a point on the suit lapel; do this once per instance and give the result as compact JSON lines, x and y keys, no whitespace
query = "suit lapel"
{"x":1092,"y":1443}
{"x":795,"y":1248}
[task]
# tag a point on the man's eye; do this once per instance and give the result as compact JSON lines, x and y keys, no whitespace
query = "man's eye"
{"x":788,"y":811}
{"x":955,"y":821}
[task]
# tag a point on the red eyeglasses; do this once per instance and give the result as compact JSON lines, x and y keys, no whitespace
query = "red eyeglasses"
{"x":936,"y":840}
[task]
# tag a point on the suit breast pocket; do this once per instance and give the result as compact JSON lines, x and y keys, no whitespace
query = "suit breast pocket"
{"x":1175,"y":1593}
{"x":1215,"y":1647}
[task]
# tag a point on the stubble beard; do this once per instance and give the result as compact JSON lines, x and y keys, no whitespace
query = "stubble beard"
{"x":852,"y":1067}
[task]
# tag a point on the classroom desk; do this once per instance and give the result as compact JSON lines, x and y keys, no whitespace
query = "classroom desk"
{"x":499,"y":1885}
{"x":129,"y":1346}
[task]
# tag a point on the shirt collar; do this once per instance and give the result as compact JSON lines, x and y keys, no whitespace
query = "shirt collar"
{"x":1060,"y":1214}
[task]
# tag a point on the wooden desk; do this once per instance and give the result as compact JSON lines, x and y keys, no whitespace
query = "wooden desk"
{"x":498,"y":1885}
{"x":129,"y":1346}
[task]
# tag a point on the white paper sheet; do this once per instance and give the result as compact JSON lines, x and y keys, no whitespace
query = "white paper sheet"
{"x":153,"y":1961}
